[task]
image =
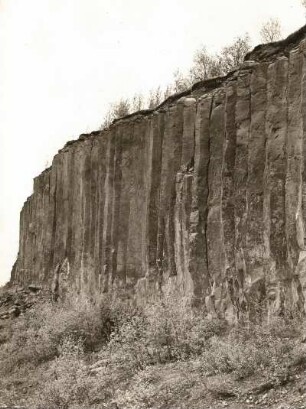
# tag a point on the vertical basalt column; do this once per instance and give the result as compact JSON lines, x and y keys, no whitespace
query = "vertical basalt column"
{"x":82,"y":207}
{"x":87,"y":213}
{"x":243,"y":119}
{"x":86,"y":175}
{"x":62,"y":207}
{"x":154,"y":170}
{"x":303,"y":113}
{"x":52,"y":214}
{"x":294,"y":151}
{"x":45,"y":228}
{"x":180,"y":229}
{"x":36,"y":209}
{"x":138,"y":204}
{"x":92,"y":238}
{"x":74,"y":217}
{"x":294,"y":183}
{"x":171,"y":162}
{"x":182,"y":212}
{"x":125,"y":198}
{"x":100,"y":149}
{"x":301,"y":269}
{"x":188,"y":138}
{"x":116,"y":196}
{"x":30,"y":240}
{"x":198,"y":250}
{"x":146,"y":174}
{"x":80,"y":219}
{"x":108,"y":210}
{"x":183,"y":198}
{"x":72,"y":183}
{"x":36,"y":226}
{"x":24,"y":261}
{"x":275,"y":176}
{"x":215,"y":236}
{"x":228,"y":198}
{"x":58,"y":222}
{"x":135,"y":151}
{"x":35,"y":232}
{"x":255,"y":249}
{"x":20,"y":262}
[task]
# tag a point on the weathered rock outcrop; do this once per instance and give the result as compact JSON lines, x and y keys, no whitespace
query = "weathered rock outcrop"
{"x":205,"y":196}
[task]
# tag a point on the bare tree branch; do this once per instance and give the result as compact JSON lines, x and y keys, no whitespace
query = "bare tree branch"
{"x":271,"y":30}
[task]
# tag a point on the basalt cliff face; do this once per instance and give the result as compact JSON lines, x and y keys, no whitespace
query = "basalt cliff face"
{"x":204,"y":196}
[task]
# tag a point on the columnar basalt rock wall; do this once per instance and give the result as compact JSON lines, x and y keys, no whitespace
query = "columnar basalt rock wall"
{"x":205,"y":196}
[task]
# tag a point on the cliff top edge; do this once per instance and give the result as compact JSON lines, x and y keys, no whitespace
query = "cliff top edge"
{"x":261,"y":53}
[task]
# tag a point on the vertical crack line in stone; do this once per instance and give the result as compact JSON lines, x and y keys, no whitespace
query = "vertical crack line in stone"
{"x":247,"y":187}
{"x":91,"y":212}
{"x":287,"y":161}
{"x":208,"y":190}
{"x":54,"y":221}
{"x":222,"y":181}
{"x":158,"y":260}
{"x":264,"y":177}
{"x":303,"y":109}
{"x":194,"y":134}
{"x":299,"y":279}
{"x":116,"y":207}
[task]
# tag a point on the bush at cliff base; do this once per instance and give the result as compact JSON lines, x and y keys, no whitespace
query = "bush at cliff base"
{"x":90,"y":354}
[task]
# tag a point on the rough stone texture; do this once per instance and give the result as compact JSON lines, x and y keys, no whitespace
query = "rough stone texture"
{"x":204,"y":196}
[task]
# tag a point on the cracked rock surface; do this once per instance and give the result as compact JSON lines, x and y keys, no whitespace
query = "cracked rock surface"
{"x":204,"y":196}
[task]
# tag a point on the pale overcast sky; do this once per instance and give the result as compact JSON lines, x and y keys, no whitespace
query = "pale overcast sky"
{"x":63,"y":61}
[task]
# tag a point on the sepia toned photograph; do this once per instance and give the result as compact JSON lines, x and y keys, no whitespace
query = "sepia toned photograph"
{"x":152,"y":204}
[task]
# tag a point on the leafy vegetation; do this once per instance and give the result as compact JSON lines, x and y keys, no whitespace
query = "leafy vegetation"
{"x":83,"y":354}
{"x":205,"y":65}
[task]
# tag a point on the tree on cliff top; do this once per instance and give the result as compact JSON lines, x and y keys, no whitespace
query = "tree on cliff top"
{"x":181,"y":82}
{"x":271,"y":30}
{"x":137,"y":102}
{"x":207,"y":65}
{"x":204,"y":66}
{"x":233,"y":55}
{"x":116,"y":110}
{"x":155,"y":98}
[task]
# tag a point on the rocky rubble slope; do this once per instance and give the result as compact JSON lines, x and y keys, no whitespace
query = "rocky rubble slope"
{"x":15,"y":301}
